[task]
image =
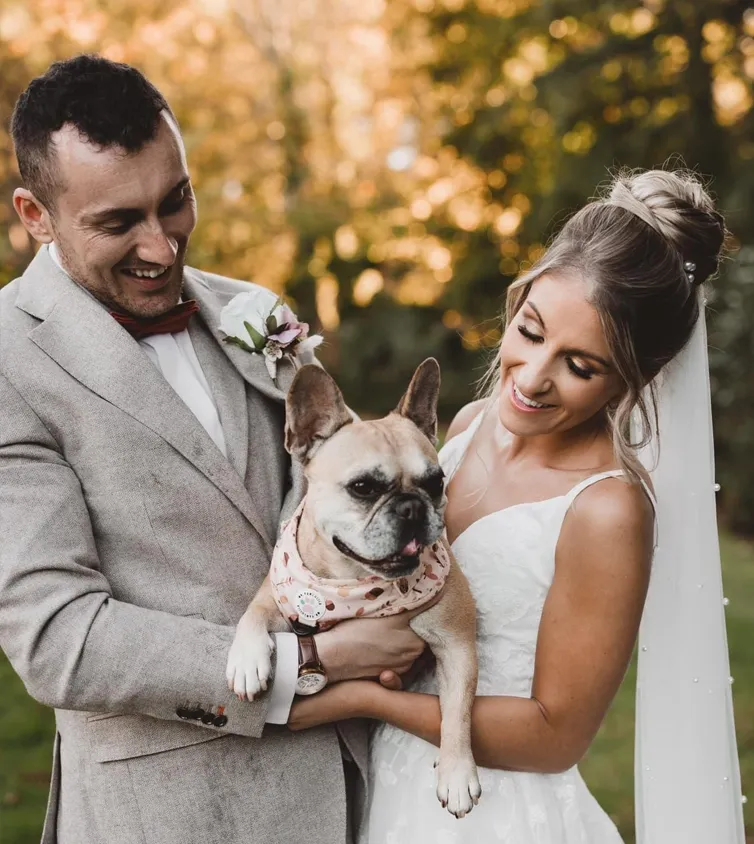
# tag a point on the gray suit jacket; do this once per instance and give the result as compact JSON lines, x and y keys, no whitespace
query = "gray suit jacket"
{"x":130,"y":546}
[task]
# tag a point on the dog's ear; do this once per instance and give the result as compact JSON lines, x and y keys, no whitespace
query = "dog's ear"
{"x":314,"y":411}
{"x":419,"y":402}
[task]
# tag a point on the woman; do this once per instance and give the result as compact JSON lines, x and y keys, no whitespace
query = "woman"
{"x":552,"y":518}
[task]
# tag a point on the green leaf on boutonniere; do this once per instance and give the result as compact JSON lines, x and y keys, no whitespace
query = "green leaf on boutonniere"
{"x":236,"y":341}
{"x":256,"y":337}
{"x":271,"y":325}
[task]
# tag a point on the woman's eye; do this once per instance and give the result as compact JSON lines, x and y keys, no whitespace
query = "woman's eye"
{"x":535,"y":338}
{"x":581,"y":372}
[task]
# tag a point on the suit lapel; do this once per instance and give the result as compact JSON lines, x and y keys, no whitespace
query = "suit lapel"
{"x":251,"y":366}
{"x":78,"y":333}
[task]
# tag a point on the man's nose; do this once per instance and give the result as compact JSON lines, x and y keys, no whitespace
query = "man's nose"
{"x":156,"y":246}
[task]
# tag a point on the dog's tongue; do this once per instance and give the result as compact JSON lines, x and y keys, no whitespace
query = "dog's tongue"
{"x":411,"y":550}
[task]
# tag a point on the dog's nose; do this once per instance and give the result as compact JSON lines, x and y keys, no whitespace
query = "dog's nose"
{"x":410,"y":509}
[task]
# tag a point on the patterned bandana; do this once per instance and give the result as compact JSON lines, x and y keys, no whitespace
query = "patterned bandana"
{"x":320,"y":603}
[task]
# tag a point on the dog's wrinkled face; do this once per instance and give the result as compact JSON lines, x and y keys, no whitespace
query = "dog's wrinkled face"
{"x":376,"y":492}
{"x":376,"y":489}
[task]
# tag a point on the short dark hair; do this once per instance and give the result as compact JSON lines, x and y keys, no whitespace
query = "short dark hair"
{"x":111,"y":104}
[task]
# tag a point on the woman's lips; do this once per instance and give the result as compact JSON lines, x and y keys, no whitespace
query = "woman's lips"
{"x":519,"y":404}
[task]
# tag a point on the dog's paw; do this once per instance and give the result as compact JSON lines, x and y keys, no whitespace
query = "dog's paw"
{"x":249,"y":663}
{"x":458,"y":786}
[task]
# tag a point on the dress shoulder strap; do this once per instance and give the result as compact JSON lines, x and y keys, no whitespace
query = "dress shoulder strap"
{"x":454,"y":450}
{"x":615,"y":473}
{"x":587,"y":482}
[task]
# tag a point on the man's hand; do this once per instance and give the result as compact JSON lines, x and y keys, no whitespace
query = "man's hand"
{"x":365,"y":647}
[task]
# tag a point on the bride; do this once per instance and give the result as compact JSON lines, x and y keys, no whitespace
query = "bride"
{"x":553,"y":518}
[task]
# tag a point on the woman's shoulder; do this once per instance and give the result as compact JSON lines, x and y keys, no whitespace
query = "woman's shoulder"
{"x":465,"y":416}
{"x":611,"y":509}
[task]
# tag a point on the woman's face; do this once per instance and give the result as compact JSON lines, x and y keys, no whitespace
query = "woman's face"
{"x":556,"y":372}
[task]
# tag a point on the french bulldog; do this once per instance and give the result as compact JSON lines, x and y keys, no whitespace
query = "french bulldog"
{"x":369,"y":539}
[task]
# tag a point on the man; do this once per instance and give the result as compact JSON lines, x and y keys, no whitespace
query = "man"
{"x":142,"y":481}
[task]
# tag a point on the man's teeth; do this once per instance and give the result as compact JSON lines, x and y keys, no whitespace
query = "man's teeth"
{"x":148,"y":273}
{"x":528,"y":402}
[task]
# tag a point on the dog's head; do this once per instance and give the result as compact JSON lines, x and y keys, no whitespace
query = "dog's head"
{"x":376,"y":490}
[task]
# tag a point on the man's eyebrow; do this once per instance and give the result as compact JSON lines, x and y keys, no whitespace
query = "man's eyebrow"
{"x":105,"y":213}
{"x":575,"y":352}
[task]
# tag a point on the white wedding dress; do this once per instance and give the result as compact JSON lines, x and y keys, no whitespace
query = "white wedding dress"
{"x":508,"y":557}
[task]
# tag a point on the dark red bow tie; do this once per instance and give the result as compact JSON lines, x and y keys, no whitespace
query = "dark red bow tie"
{"x":176,"y":319}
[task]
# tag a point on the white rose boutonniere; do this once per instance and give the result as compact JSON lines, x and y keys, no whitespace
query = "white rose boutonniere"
{"x":251,"y":322}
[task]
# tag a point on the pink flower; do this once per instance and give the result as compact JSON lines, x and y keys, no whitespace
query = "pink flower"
{"x":289,"y":328}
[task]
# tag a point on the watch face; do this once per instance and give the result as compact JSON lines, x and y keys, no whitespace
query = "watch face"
{"x":310,"y":683}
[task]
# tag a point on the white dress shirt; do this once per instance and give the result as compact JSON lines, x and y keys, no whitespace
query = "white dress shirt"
{"x":174,"y":356}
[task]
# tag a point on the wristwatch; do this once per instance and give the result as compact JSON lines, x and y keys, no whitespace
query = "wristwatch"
{"x":311,"y":672}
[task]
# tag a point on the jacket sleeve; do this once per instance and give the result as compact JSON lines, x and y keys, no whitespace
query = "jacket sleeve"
{"x":73,"y":645}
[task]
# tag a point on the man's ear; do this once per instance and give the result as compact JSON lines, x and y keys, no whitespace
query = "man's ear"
{"x":314,"y":411}
{"x":419,"y":402}
{"x":34,"y":216}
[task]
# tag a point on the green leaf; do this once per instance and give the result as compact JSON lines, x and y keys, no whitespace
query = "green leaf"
{"x":271,"y":324}
{"x":236,"y":341}
{"x":256,"y":337}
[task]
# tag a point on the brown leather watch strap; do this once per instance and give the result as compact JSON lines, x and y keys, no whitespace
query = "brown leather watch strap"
{"x":307,"y":653}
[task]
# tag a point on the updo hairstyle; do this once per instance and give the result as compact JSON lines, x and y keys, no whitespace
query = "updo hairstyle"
{"x":643,"y":248}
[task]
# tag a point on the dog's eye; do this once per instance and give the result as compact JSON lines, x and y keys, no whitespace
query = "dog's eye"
{"x":366,"y":488}
{"x":434,"y":486}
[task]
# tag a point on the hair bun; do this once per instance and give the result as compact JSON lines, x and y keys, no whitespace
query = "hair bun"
{"x":675,"y":204}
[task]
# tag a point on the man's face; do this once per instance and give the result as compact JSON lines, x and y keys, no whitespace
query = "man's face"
{"x":122,"y":221}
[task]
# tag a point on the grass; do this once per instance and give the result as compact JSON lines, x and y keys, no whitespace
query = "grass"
{"x":27,"y":729}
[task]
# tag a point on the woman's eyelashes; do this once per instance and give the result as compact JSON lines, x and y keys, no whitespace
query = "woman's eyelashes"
{"x":579,"y":371}
{"x":530,"y":335}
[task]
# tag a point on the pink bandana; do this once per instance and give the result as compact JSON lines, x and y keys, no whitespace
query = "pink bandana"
{"x":322,"y":602}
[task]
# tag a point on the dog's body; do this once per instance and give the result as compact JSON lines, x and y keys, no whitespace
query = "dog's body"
{"x":374,"y":509}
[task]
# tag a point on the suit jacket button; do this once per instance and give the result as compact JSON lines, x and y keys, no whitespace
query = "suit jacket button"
{"x":207,"y":718}
{"x":183,"y":712}
{"x":220,"y":721}
{"x":196,"y":713}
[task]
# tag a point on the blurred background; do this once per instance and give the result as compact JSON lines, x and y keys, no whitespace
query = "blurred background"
{"x":391,"y":165}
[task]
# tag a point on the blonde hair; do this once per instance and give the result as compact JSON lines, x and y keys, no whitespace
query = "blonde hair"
{"x":631,"y":246}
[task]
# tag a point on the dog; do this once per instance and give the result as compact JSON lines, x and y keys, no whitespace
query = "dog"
{"x":369,"y":539}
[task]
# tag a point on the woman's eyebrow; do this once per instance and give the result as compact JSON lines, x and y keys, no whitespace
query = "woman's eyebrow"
{"x":575,"y":352}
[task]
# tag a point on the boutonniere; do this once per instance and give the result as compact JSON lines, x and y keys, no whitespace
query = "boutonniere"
{"x":248,"y":321}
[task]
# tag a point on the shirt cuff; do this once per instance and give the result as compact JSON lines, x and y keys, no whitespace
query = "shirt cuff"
{"x":284,"y":683}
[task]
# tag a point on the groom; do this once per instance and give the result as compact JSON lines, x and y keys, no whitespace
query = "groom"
{"x":142,"y":480}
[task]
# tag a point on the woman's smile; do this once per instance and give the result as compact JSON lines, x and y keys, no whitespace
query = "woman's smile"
{"x":524,"y":403}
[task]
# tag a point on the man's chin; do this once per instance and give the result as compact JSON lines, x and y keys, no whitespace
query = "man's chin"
{"x":148,"y":298}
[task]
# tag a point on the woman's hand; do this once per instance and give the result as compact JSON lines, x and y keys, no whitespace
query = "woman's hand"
{"x":350,"y":699}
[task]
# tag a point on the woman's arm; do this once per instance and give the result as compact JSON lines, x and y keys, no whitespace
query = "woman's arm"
{"x":589,"y":624}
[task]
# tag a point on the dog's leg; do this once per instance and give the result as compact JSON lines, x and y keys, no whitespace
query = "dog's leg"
{"x":249,"y":660}
{"x":449,"y":628}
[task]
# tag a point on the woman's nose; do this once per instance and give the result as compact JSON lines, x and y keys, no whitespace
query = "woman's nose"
{"x":533,"y":378}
